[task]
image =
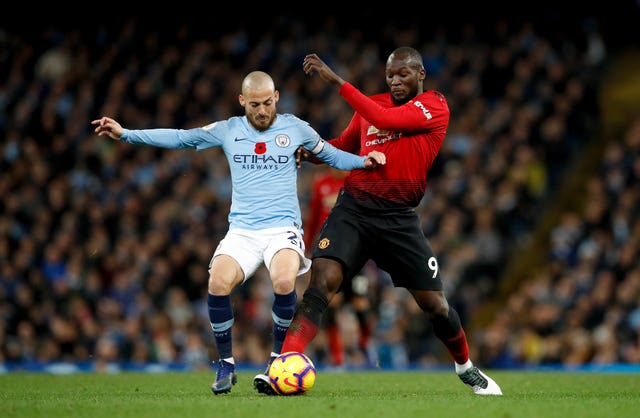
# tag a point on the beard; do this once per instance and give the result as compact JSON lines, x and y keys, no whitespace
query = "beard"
{"x":405,"y":97}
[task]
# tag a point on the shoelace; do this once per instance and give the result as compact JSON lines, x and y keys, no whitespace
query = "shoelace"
{"x":474,"y":378}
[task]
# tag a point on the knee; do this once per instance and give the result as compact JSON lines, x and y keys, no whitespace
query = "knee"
{"x":433,"y":303}
{"x":283,"y":284}
{"x":219,"y":285}
{"x":224,"y":274}
{"x":440,"y":308}
{"x":222,"y":283}
{"x":326,"y":275}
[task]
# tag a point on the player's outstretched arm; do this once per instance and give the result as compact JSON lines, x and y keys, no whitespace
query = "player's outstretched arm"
{"x":374,"y":159}
{"x":107,"y":126}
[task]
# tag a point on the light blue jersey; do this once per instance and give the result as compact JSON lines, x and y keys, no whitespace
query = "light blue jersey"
{"x":262,"y":163}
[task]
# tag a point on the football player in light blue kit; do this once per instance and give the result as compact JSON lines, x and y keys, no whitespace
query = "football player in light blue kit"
{"x":265,"y":219}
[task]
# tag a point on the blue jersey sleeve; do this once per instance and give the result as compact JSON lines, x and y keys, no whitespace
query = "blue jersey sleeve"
{"x":329,"y":154}
{"x":197,"y":138}
{"x":339,"y":159}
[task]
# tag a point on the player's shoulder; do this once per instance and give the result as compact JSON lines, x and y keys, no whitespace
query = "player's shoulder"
{"x":236,"y":121}
{"x":289,"y":117}
{"x":433,"y":98}
{"x":230,"y":123}
{"x":285,"y":120}
{"x":432,"y":95}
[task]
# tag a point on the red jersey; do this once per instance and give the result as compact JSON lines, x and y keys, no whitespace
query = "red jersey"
{"x":324,"y":192}
{"x":410,"y":135}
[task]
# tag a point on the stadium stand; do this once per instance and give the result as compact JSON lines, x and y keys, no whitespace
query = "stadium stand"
{"x":104,"y":248}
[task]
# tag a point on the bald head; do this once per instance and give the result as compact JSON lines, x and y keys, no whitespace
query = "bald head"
{"x":259,"y":98}
{"x":257,"y":81}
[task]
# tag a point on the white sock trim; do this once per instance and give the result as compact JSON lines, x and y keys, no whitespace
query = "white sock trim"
{"x":461,"y":368}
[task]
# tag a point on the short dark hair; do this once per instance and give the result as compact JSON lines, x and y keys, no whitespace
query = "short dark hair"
{"x":413,"y":56}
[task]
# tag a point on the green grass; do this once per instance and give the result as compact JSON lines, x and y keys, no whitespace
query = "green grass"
{"x":336,"y":394}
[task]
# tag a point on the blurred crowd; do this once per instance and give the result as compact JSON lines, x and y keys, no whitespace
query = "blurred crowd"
{"x":583,"y":306}
{"x":104,"y":246}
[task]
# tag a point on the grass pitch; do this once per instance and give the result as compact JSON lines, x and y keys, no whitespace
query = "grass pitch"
{"x":367,"y":394}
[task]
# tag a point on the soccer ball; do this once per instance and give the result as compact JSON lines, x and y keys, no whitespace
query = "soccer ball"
{"x":292,"y":373}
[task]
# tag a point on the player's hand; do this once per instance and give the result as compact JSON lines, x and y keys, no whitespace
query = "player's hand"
{"x":107,"y":126}
{"x":374,"y":159}
{"x":312,"y":63}
{"x":302,"y":154}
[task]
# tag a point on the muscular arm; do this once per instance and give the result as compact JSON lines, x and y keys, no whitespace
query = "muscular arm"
{"x":427,"y":111}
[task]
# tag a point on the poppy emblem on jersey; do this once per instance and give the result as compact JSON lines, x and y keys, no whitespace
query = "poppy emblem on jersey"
{"x":324,"y":243}
{"x":283,"y":141}
{"x":260,"y":148}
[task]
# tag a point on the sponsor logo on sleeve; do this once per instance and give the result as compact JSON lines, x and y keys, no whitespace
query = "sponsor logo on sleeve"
{"x":426,"y":111}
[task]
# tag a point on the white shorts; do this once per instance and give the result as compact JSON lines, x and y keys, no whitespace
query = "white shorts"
{"x":251,"y":248}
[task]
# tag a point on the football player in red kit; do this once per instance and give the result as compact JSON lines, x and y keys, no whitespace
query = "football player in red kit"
{"x":324,"y":192}
{"x":375,"y":218}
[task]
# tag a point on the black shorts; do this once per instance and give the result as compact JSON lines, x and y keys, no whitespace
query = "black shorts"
{"x":392,"y":238}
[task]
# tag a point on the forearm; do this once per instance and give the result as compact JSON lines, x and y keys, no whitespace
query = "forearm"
{"x":340,"y":159}
{"x":164,"y":138}
{"x":403,"y":117}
